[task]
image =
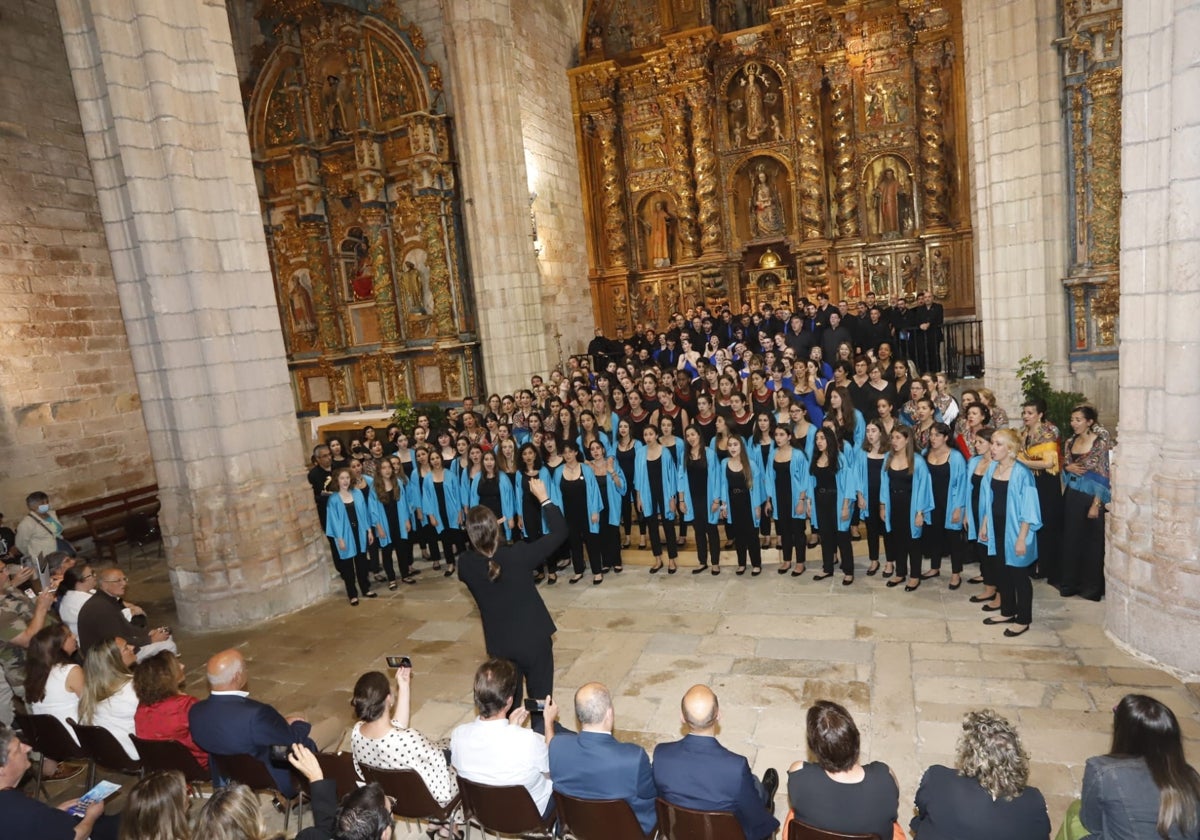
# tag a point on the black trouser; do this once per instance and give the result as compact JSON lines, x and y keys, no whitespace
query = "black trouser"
{"x":987,"y":564}
{"x":791,"y":537}
{"x":875,"y":531}
{"x":1082,"y":547}
{"x":1049,"y":536}
{"x":401,"y":552}
{"x":577,"y":538}
{"x":352,"y":569}
{"x":656,"y":541}
{"x":833,"y":540}
{"x":938,"y":541}
{"x":449,"y":542}
{"x":903,"y":552}
{"x":535,"y":670}
{"x":708,"y":543}
{"x":629,"y":513}
{"x":1016,"y":593}
{"x":743,"y":529}
{"x":608,"y":543}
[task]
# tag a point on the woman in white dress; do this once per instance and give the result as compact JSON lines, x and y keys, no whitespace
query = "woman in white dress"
{"x":108,"y":697}
{"x":53,"y":684}
{"x":77,"y":586}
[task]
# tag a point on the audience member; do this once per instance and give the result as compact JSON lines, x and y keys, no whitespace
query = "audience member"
{"x":74,"y":590}
{"x":383,"y":739}
{"x":364,"y":814}
{"x":106,"y":616}
{"x":53,"y":683}
{"x":697,"y":772}
{"x":24,"y":817}
{"x":163,"y":705}
{"x":1143,"y":789}
{"x":230,"y":723}
{"x":496,"y":749}
{"x":20,"y":621}
{"x":108,"y":698}
{"x":157,"y":808}
{"x":231,"y":813}
{"x":40,"y":534}
{"x":837,"y":793}
{"x":595,"y":765}
{"x":986,"y":795}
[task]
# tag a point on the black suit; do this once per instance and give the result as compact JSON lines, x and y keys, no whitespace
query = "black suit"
{"x":926,"y":341}
{"x":516,"y":624}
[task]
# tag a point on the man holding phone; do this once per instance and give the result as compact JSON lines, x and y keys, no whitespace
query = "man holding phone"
{"x":516,"y":624}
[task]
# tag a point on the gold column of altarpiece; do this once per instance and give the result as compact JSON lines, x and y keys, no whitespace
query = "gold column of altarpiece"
{"x":822,"y":141}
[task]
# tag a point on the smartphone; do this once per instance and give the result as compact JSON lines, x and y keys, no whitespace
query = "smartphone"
{"x":532,"y":705}
{"x":279,"y":754}
{"x":399,"y":662}
{"x":30,"y":594}
{"x":99,"y":793}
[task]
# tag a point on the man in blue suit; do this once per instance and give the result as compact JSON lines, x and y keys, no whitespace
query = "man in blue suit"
{"x":698,"y":773}
{"x":229,"y":722}
{"x":595,"y":765}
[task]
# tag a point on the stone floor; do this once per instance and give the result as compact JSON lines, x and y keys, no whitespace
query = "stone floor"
{"x":907,"y":665}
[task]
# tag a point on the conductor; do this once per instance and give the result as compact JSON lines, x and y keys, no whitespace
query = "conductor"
{"x":516,"y":624}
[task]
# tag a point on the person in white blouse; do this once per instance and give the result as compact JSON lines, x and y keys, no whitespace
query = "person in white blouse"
{"x":108,"y":697}
{"x":53,"y":683}
{"x":77,"y":586}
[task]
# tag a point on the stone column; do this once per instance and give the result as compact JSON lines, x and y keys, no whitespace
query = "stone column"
{"x":162,"y":116}
{"x":1153,"y":564}
{"x":845,"y":188}
{"x":484,"y":77}
{"x":1018,"y":187}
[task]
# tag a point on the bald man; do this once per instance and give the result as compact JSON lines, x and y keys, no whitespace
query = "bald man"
{"x":697,"y":772}
{"x":596,"y":765}
{"x":229,"y":722}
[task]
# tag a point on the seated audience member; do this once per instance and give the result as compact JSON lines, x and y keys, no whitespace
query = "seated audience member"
{"x":985,"y":796}
{"x":20,"y":621}
{"x":103,"y":617}
{"x":1143,"y":789}
{"x":157,"y":808}
{"x":75,"y":589}
{"x":40,"y":534}
{"x":231,"y":813}
{"x":53,"y":683}
{"x":495,"y":748}
{"x":230,"y":723}
{"x":9,"y":553}
{"x":25,"y":817}
{"x":383,"y":739}
{"x":163,"y":705}
{"x":697,"y":772}
{"x":595,"y":765}
{"x":108,"y":698}
{"x":837,"y":793}
{"x":364,"y":814}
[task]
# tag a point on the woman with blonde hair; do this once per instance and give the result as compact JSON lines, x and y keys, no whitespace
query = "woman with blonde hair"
{"x":232,"y":813}
{"x":157,"y":808}
{"x":986,"y":795}
{"x":999,"y":415}
{"x":108,"y":698}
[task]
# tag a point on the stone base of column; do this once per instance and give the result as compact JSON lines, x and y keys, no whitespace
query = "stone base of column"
{"x":214,"y":610}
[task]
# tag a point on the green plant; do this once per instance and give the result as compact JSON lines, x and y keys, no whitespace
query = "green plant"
{"x":1035,"y":385}
{"x":406,"y":414}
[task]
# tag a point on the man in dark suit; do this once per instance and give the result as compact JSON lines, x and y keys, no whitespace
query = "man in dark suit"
{"x":927,"y":337}
{"x":595,"y":765}
{"x":697,"y":772}
{"x":516,"y":624}
{"x":230,"y":723}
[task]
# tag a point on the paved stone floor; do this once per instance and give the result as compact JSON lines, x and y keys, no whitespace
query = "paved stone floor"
{"x":907,"y":665}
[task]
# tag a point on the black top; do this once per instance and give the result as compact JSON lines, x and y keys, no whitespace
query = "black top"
{"x":953,"y":807}
{"x":783,"y":489}
{"x":26,"y":817}
{"x":321,"y":481}
{"x":574,"y":497}
{"x":869,"y":806}
{"x":489,"y":494}
{"x":654,"y":475}
{"x":998,"y":515}
{"x":697,"y":475}
{"x":874,"y":474}
{"x":826,"y":478}
{"x":939,"y":475}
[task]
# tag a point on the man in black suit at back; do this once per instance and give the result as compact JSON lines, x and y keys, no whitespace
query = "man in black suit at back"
{"x":516,"y":624}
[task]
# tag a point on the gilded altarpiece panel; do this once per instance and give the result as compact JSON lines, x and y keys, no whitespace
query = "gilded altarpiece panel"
{"x":729,"y":145}
{"x":354,"y":148}
{"x":1091,"y":55}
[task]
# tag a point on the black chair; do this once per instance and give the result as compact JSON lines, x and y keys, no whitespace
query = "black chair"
{"x":503,"y":809}
{"x":49,"y":738}
{"x":678,"y":823}
{"x":412,"y":799}
{"x":599,"y":819}
{"x":171,"y":755}
{"x":797,"y":830}
{"x":105,"y":750}
{"x":339,"y":767}
{"x":249,"y":771}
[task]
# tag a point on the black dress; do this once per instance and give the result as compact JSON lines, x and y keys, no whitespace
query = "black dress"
{"x":902,"y":550}
{"x":741,"y":519}
{"x":934,"y":535}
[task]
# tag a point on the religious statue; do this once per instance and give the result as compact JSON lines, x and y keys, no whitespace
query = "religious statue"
{"x":766,"y":211}
{"x":726,"y":17}
{"x":881,"y":276}
{"x":411,"y":289}
{"x":332,"y":94}
{"x":887,"y":198}
{"x":910,"y":272}
{"x":776,"y":128}
{"x":658,"y":243}
{"x":362,"y":284}
{"x":939,"y":273}
{"x":849,"y":280}
{"x":756,"y":85}
{"x":304,"y":317}
{"x":620,"y":304}
{"x":758,"y":11}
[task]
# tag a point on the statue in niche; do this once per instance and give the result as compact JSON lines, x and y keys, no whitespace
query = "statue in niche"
{"x":300,"y":303}
{"x":881,"y":276}
{"x":910,"y":272}
{"x":620,"y":304}
{"x":412,"y":289}
{"x":756,"y":85}
{"x":726,"y":15}
{"x":658,"y":243}
{"x":849,"y":278}
{"x":776,"y":128}
{"x":766,"y":211}
{"x":887,"y":203}
{"x":362,"y":281}
{"x":333,"y":95}
{"x":939,"y":273}
{"x":757,"y":11}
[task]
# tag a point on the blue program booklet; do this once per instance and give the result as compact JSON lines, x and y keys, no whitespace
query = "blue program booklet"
{"x":99,"y":793}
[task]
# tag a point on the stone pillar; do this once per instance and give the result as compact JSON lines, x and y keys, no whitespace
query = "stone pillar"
{"x":484,"y":77}
{"x":704,"y":158}
{"x":811,"y":168}
{"x":1153,"y":564}
{"x":845,"y":188}
{"x":1018,"y":184}
{"x":162,"y":116}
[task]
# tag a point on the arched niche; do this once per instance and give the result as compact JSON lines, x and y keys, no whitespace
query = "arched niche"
{"x":760,"y":195}
{"x":889,"y":198}
{"x":755,"y":100}
{"x":658,"y":242}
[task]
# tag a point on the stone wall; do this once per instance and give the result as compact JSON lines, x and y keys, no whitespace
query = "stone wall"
{"x":1018,"y":186}
{"x":70,"y":417}
{"x":547,"y":39}
{"x":1153,"y":565}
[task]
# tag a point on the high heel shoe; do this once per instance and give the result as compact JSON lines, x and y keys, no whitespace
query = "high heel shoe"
{"x":657,"y":567}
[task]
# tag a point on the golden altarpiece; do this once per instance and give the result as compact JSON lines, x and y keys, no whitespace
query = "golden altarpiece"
{"x":738,"y":151}
{"x":354,"y":154}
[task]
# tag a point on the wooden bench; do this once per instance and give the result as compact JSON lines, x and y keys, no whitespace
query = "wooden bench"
{"x":107,"y":520}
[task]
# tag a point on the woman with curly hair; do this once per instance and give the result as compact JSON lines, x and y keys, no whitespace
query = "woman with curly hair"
{"x":986,"y":795}
{"x":163,"y":705}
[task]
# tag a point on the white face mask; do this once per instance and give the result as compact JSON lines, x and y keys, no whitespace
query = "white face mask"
{"x":43,"y":508}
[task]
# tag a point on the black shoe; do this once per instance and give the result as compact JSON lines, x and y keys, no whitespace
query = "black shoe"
{"x":873,"y":569}
{"x":913,"y":587}
{"x":989,"y":608}
{"x":741,"y":570}
{"x":1011,"y":633}
{"x":992,"y":620}
{"x":575,"y":579}
{"x":981,"y":599}
{"x":770,"y":782}
{"x":371,"y":595}
{"x":656,"y":569}
{"x":716,"y":570}
{"x":699,"y":570}
{"x":895,"y":582}
{"x":823,"y":576}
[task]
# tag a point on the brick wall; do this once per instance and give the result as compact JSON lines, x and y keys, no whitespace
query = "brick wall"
{"x":70,"y":418}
